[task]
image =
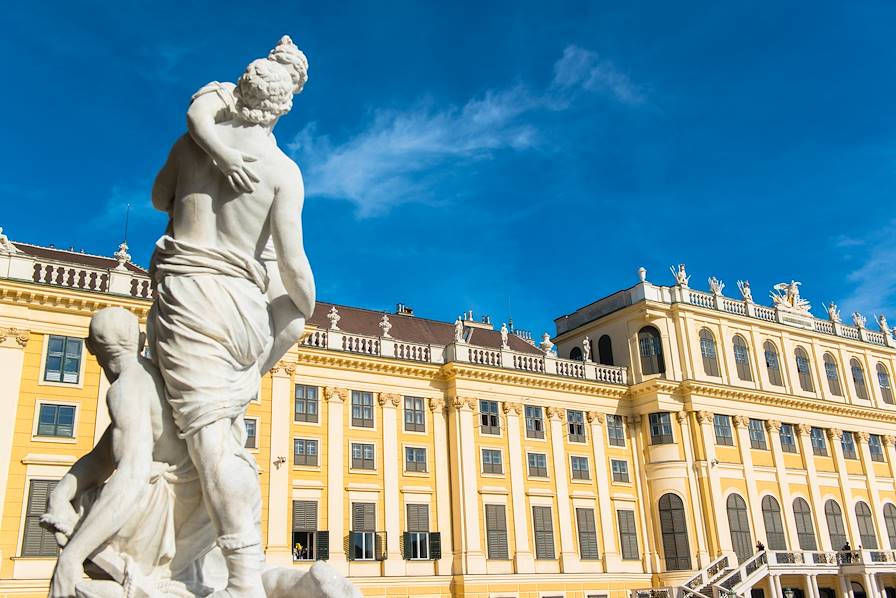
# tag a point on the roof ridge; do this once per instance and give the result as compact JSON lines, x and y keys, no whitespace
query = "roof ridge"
{"x":380,"y":311}
{"x":72,"y":251}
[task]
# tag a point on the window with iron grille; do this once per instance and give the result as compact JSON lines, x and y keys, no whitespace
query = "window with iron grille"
{"x":56,"y":420}
{"x":538,"y":465}
{"x":848,"y":444}
{"x":580,"y":469}
{"x":63,"y":363}
{"x":575,"y":424}
{"x":722,"y":426}
{"x":251,"y":425}
{"x":305,"y":452}
{"x":543,"y":525}
{"x":587,"y":534}
{"x":883,"y":380}
{"x":414,"y":459}
{"x":660,"y":428}
{"x":620,"y":470}
{"x":836,"y":532}
{"x":876,"y":448}
{"x":496,"y":532}
{"x":742,"y":359}
{"x":534,"y":422}
{"x":788,"y":438}
{"x":488,"y":417}
{"x":803,"y":370}
{"x":819,"y":444}
{"x":833,"y":376}
{"x":805,"y":527}
{"x":491,"y":461}
{"x":858,"y":379}
{"x":37,"y":541}
{"x":628,"y":535}
{"x":362,"y":409}
{"x":774,"y":527}
{"x":757,"y":434}
{"x":616,"y":430}
{"x":362,"y":456}
{"x":708,"y":352}
{"x":306,"y":407}
{"x":414,"y":415}
{"x":866,"y":526}
{"x":772,"y":365}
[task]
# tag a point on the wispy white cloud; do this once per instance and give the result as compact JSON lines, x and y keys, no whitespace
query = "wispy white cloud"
{"x":874,"y":280}
{"x":398,"y":155}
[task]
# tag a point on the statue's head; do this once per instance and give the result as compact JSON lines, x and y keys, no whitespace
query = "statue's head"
{"x":264,"y":92}
{"x":289,"y":55}
{"x":113,"y":330}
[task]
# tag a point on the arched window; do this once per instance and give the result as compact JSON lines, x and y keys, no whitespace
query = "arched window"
{"x":742,"y":358}
{"x":805,"y":528}
{"x":675,"y":533}
{"x":708,"y":352}
{"x":803,"y":370}
{"x":832,"y":374}
{"x":576,"y":353}
{"x":858,"y":378}
{"x":774,"y":529}
{"x":883,"y":380}
{"x":605,"y":350}
{"x":866,"y":526}
{"x":834,"y":516}
{"x":772,"y":364}
{"x":739,"y":524}
{"x":890,"y":521}
{"x":651,"y":350}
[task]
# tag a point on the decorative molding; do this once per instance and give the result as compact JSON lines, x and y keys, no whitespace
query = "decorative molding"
{"x":595,"y":417}
{"x":387,"y":398}
{"x":835,"y":433}
{"x":740,"y":421}
{"x":437,"y":405}
{"x":530,"y":380}
{"x":862,"y":436}
{"x":705,"y":417}
{"x":361,"y":363}
{"x":773,"y":425}
{"x":21,"y":336}
{"x":889,"y":440}
{"x":804,"y":429}
{"x":335,"y":394}
{"x":66,"y":299}
{"x":288,"y":368}
{"x":554,"y":413}
{"x":682,"y":417}
{"x":512,"y":408}
{"x":634,"y":420}
{"x":460,"y":403}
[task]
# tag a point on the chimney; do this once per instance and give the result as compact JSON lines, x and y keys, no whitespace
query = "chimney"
{"x":403,"y":310}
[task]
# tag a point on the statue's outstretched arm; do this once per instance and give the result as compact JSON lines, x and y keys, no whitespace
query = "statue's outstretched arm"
{"x":286,"y":231}
{"x":165,"y":185}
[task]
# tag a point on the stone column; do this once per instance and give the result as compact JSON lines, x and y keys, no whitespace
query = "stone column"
{"x":606,"y":516}
{"x":835,"y":436}
{"x":774,"y":582}
{"x":813,"y":586}
{"x":821,"y":524}
{"x":524,"y":559}
{"x":696,"y":497}
{"x":868,"y":582}
{"x":391,"y":459}
{"x":569,"y":560}
{"x":649,"y":547}
{"x":720,"y":517}
{"x":464,"y":486}
{"x":443,"y":484}
{"x":773,"y":427}
{"x":741,"y":423}
{"x":12,"y":358}
{"x":845,"y":587}
{"x":102,"y":409}
{"x":336,"y":398}
{"x":278,"y":550}
{"x":877,"y":509}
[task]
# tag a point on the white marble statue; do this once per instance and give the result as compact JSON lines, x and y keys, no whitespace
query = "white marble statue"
{"x":385,"y":326}
{"x":459,"y":331}
{"x":642,"y":274}
{"x":546,"y":345}
{"x":715,"y":285}
{"x":681,"y":276}
{"x":586,"y":349}
{"x":334,"y":317}
{"x":504,"y":337}
{"x":6,"y":245}
{"x":884,"y":326}
{"x":745,"y":292}
{"x":788,"y":297}
{"x":122,"y":256}
{"x":859,"y":320}
{"x":833,"y":312}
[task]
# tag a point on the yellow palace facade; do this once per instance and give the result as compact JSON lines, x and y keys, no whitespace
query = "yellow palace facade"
{"x":643,"y":451}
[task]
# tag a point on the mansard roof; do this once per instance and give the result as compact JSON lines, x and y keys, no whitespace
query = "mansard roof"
{"x":75,"y":258}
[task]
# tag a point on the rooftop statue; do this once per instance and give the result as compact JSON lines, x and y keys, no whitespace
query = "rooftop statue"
{"x":788,"y":297}
{"x":833,"y":312}
{"x":715,"y":285}
{"x":745,"y":292}
{"x":681,"y":275}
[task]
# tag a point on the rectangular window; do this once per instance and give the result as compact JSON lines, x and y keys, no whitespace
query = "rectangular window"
{"x":362,"y":409}
{"x":362,"y":456}
{"x":756,"y":428}
{"x":660,"y":428}
{"x":304,"y":531}
{"x":251,"y":432}
{"x":414,"y":459}
{"x":575,"y":423}
{"x":306,"y":404}
{"x":722,"y":426}
{"x":538,"y":465}
{"x":616,"y":430}
{"x":362,"y":539}
{"x":491,"y":461}
{"x":620,"y":470}
{"x":587,"y":534}
{"x":819,"y":445}
{"x":496,"y":532}
{"x":876,"y":448}
{"x":580,"y":469}
{"x":544,"y":532}
{"x":305,"y":452}
{"x":628,"y":535}
{"x":56,"y":420}
{"x":788,"y":438}
{"x":416,"y":539}
{"x":36,"y":540}
{"x":488,"y":417}
{"x":414,"y":415}
{"x":848,"y":443}
{"x":63,"y":362}
{"x":534,"y":422}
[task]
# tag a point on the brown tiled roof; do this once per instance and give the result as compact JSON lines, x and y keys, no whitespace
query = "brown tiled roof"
{"x":356,"y":320}
{"x":75,"y":258}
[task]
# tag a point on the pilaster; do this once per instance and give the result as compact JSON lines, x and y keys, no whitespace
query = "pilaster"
{"x":465,"y":487}
{"x":877,"y":509}
{"x":278,"y":550}
{"x":773,"y":428}
{"x":569,"y":559}
{"x":821,"y":524}
{"x":336,"y":398}
{"x":12,"y":358}
{"x":645,"y":497}
{"x":391,"y":460}
{"x":741,"y":424}
{"x":720,"y":518}
{"x":835,"y":437}
{"x":612,"y":557}
{"x":524,"y":560}
{"x":696,"y":508}
{"x":443,"y":485}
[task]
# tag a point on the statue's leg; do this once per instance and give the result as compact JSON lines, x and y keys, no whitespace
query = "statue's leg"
{"x":231,"y":492}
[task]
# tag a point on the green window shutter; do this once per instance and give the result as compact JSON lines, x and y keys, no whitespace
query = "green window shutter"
{"x":496,"y":531}
{"x":37,"y":541}
{"x":304,"y":515}
{"x":544,"y":532}
{"x":363,"y":517}
{"x":322,"y":545}
{"x":406,"y":545}
{"x":418,"y":518}
{"x":587,"y":533}
{"x":380,"y":546}
{"x":435,"y":545}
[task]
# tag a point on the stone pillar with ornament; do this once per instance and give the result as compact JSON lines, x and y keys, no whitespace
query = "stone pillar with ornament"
{"x":465,"y":490}
{"x":391,"y":460}
{"x":817,"y":506}
{"x":336,"y":398}
{"x":443,"y":485}
{"x":524,"y":559}
{"x":279,"y":546}
{"x":611,"y":554}
{"x":13,"y":342}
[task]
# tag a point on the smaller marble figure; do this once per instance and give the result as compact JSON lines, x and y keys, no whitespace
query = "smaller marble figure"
{"x":504,"y":337}
{"x":833,"y":312}
{"x":385,"y":326}
{"x":681,"y":275}
{"x":334,"y":317}
{"x":642,"y":274}
{"x":745,"y":292}
{"x":586,"y":349}
{"x":884,"y":327}
{"x":716,"y":285}
{"x":788,"y":297}
{"x":859,"y":320}
{"x":6,"y":245}
{"x":546,"y":345}
{"x":459,"y":331}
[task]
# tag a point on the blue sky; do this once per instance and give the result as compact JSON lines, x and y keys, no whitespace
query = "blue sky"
{"x":522,"y":157}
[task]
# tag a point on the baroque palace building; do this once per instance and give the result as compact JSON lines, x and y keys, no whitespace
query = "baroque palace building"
{"x":644,"y":452}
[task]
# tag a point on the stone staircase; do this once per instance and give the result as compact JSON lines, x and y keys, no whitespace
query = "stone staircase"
{"x":699,"y":586}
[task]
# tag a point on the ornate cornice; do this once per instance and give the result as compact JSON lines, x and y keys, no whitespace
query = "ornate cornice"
{"x":53,"y":298}
{"x":510,"y":407}
{"x":386,"y":399}
{"x":531,"y":380}
{"x":335,"y":394}
{"x":366,"y":363}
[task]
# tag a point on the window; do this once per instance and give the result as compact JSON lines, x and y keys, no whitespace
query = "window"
{"x":833,"y":376}
{"x":628,"y":534}
{"x":306,"y":545}
{"x":788,"y":438}
{"x":363,"y":545}
{"x":414,"y":459}
{"x":414,"y":416}
{"x":805,"y":528}
{"x":362,"y":456}
{"x":488,"y":417}
{"x":362,"y":409}
{"x":660,"y":428}
{"x":803,"y":370}
{"x":722,"y":426}
{"x":774,"y":528}
{"x":544,"y":532}
{"x":538,"y":465}
{"x":651,"y":350}
{"x":834,"y":517}
{"x":848,"y":444}
{"x":304,"y":452}
{"x":306,"y":404}
{"x":605,"y":350}
{"x":63,"y":360}
{"x":576,"y":354}
{"x":739,"y":525}
{"x":251,"y":425}
{"x":858,"y":378}
{"x":756,"y":428}
{"x":890,"y":522}
{"x":534,"y":422}
{"x":876,"y":448}
{"x":418,"y":541}
{"x":56,"y":420}
{"x":708,"y":352}
{"x":496,"y":532}
{"x":491,"y":461}
{"x":673,"y":524}
{"x":620,"y":470}
{"x":580,"y":468}
{"x":575,"y":424}
{"x":772,"y":364}
{"x":36,"y":540}
{"x":819,"y":445}
{"x":883,"y":380}
{"x":616,"y":430}
{"x":742,"y":358}
{"x":587,"y":534}
{"x":866,"y":526}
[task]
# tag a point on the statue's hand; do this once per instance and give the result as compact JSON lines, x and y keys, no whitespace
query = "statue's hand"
{"x":60,"y":519}
{"x":66,"y":575}
{"x":232,"y":164}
